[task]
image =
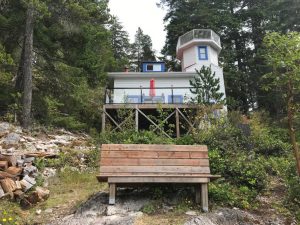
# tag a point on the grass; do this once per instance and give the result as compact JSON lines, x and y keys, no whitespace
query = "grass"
{"x":67,"y":191}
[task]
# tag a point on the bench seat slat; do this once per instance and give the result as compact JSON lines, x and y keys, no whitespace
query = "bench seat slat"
{"x":153,"y":162}
{"x":146,"y":147}
{"x":154,"y":154}
{"x":155,"y":169}
{"x":158,"y":180}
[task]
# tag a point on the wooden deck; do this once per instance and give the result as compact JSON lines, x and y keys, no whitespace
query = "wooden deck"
{"x":133,"y":163}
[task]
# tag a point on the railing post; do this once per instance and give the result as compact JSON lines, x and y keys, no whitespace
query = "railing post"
{"x":105,"y":92}
{"x":172,"y":94}
{"x":141,"y":94}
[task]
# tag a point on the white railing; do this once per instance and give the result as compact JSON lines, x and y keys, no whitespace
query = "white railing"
{"x":199,"y":34}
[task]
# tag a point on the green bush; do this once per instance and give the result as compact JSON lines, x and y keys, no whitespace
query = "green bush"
{"x":133,"y":137}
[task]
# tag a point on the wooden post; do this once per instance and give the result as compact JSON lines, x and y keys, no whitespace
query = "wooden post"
{"x":177,"y":124}
{"x":103,"y":119}
{"x":136,"y":119}
{"x":204,"y":197}
{"x":112,"y":194}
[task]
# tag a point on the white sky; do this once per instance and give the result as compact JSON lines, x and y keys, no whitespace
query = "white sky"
{"x":141,"y":13}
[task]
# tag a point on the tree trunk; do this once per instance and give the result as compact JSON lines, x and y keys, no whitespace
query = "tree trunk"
{"x":27,"y":69}
{"x":291,"y":125}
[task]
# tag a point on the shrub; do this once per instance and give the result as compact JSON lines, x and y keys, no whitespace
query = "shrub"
{"x":133,"y":137}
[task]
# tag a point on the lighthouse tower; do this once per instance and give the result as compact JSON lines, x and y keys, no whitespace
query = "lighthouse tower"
{"x":200,"y":47}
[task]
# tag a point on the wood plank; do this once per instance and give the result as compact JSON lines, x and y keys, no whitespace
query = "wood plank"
{"x":156,"y":180}
{"x":154,"y":169}
{"x":153,"y":162}
{"x":146,"y":147}
{"x":154,"y":155}
{"x":103,"y":175}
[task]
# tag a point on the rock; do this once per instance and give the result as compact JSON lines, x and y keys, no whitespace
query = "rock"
{"x":191,"y":213}
{"x":49,"y":172}
{"x":48,"y":211}
{"x":28,"y":138}
{"x":38,"y":211}
{"x":29,"y":147}
{"x":4,"y":129}
{"x":11,"y":140}
{"x":30,"y":170}
{"x":200,"y":220}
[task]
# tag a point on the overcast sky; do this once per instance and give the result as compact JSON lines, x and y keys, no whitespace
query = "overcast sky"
{"x":141,"y":13}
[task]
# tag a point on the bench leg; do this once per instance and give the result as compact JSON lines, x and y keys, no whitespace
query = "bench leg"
{"x":204,"y":197}
{"x":198,"y":193}
{"x":112,"y":194}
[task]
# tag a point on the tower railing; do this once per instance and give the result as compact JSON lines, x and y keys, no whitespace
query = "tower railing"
{"x":199,"y":34}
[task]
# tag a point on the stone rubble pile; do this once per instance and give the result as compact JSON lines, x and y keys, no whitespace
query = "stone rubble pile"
{"x":18,"y":153}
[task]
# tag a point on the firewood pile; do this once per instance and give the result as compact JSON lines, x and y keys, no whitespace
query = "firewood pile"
{"x":18,"y":154}
{"x":18,"y":179}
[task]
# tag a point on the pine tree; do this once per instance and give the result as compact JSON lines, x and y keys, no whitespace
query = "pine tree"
{"x":206,"y":87}
{"x":120,"y":44}
{"x":141,"y":49}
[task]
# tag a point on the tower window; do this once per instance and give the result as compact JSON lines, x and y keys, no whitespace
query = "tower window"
{"x":203,"y":55}
{"x":150,"y":67}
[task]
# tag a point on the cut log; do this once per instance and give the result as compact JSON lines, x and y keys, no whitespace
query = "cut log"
{"x":29,"y":169}
{"x":41,"y":155}
{"x":18,"y":194}
{"x":3,"y":165}
{"x":4,"y":175}
{"x":10,"y":158}
{"x":43,"y":193}
{"x":18,"y":185}
{"x":27,"y":183}
{"x":14,"y":170}
{"x":8,"y":185}
{"x":2,"y":194}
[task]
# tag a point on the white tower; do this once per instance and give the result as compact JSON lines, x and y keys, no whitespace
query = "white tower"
{"x":200,"y":47}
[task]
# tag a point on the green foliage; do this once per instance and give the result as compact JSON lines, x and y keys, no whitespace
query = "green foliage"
{"x":133,"y":137}
{"x":151,"y":207}
{"x":206,"y":87}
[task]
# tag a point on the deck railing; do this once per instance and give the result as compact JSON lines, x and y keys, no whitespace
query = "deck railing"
{"x":145,"y":95}
{"x":199,"y":34}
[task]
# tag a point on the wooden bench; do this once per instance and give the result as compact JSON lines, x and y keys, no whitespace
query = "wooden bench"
{"x":140,"y":163}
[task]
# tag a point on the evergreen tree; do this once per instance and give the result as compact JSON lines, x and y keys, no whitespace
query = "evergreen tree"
{"x":120,"y":44}
{"x":206,"y":87}
{"x":141,"y":50}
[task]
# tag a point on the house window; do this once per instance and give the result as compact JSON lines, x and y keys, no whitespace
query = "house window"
{"x":150,"y":67}
{"x":203,"y":53}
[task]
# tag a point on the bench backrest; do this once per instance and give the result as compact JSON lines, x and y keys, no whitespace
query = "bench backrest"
{"x":143,"y":159}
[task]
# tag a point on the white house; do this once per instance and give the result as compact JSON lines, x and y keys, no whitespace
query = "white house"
{"x":154,"y":85}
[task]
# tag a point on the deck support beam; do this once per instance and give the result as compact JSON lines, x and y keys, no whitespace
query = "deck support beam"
{"x":103,"y":119}
{"x":136,"y":119}
{"x":177,"y":124}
